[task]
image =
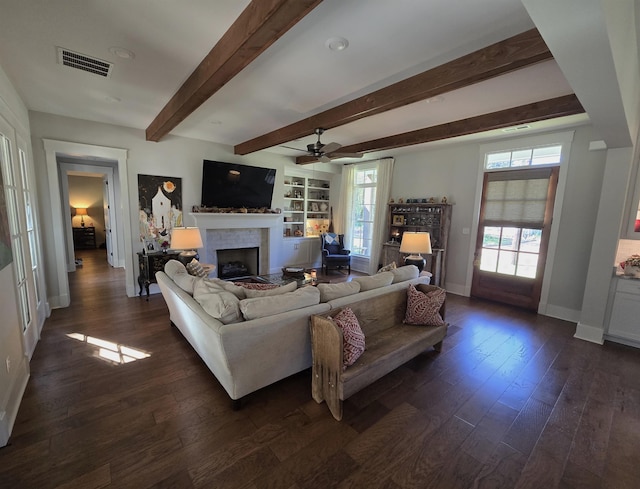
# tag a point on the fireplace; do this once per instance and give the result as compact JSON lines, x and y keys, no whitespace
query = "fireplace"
{"x":232,"y":231}
{"x":238,"y":262}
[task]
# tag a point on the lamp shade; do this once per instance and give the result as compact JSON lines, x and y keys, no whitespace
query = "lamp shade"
{"x":186,"y":239}
{"x":81,"y":211}
{"x":415,"y":243}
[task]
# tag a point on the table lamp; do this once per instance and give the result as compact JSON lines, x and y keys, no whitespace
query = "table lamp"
{"x":187,"y":240}
{"x":81,"y":211}
{"x":415,"y":243}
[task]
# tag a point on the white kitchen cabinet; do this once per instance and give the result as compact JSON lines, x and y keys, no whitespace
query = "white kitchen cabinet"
{"x":624,"y":324}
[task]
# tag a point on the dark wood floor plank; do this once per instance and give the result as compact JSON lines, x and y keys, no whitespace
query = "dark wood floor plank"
{"x":512,"y":400}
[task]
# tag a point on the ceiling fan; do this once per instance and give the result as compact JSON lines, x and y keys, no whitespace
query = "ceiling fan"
{"x":325,"y":152}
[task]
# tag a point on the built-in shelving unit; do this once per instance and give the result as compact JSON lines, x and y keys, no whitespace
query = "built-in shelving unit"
{"x":306,"y":209}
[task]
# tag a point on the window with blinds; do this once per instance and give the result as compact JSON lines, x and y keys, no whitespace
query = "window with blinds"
{"x":513,"y":218}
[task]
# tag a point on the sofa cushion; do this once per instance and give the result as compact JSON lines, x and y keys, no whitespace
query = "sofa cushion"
{"x":388,"y":268}
{"x":423,"y":308}
{"x":177,"y":272}
{"x":283,"y":289}
{"x":353,"y":341}
{"x":259,"y":307}
{"x":328,"y":292}
{"x":218,"y":303}
{"x":407,"y":272}
{"x":196,"y":269}
{"x":216,"y":283}
{"x":374,"y":281}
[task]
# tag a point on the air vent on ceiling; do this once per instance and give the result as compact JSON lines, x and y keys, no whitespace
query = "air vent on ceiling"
{"x":517,"y":128}
{"x":83,"y":62}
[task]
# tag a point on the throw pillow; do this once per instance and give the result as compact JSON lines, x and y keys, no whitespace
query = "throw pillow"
{"x":218,"y":303}
{"x":388,"y":268}
{"x":216,"y":283}
{"x":423,"y":308}
{"x":255,"y":286}
{"x":328,"y":292}
{"x":407,"y":272}
{"x":177,"y":272}
{"x":283,"y":289}
{"x":352,"y":336}
{"x":196,"y":269}
{"x":374,"y":281}
{"x":259,"y":307}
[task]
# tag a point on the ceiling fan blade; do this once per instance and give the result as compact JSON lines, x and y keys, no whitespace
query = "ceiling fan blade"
{"x":331,"y":147}
{"x":325,"y":159}
{"x":291,"y":147}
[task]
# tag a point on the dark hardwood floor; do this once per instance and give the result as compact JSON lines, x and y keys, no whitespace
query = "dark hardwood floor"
{"x":513,"y":401}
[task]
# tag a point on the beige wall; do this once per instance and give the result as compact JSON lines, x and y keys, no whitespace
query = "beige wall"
{"x":87,"y":192}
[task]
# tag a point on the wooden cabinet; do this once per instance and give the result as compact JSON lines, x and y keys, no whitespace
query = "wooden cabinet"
{"x":84,"y":238}
{"x":149,"y":264}
{"x":432,"y":218}
{"x":623,"y":324}
{"x":306,"y":211}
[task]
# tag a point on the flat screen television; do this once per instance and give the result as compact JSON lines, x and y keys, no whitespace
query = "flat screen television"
{"x":235,"y":185}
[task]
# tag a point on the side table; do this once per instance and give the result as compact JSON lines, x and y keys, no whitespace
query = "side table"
{"x":149,"y":264}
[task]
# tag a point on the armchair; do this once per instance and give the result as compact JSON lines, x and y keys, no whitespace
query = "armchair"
{"x":333,"y":253}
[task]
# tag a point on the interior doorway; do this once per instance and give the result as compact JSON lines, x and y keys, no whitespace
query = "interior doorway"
{"x":57,"y":152}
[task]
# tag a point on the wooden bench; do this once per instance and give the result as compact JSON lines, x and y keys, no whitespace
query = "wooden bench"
{"x":389,"y":344}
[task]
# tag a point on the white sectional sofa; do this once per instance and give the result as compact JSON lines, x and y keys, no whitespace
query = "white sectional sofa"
{"x":246,"y":355}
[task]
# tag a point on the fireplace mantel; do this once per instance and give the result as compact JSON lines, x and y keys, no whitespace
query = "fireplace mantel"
{"x":272,"y":223}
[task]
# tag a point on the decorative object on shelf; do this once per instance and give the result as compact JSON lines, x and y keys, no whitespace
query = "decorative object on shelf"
{"x":164,"y":245}
{"x":444,"y":199}
{"x":398,"y":220}
{"x":188,"y":240}
{"x":415,"y":243}
{"x":631,"y":266}
{"x":324,"y":207}
{"x":81,"y":211}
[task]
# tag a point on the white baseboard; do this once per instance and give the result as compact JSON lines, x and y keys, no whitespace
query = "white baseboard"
{"x":59,"y":301}
{"x":457,"y":289}
{"x":559,"y":312}
{"x":16,"y":391}
{"x":589,"y":333}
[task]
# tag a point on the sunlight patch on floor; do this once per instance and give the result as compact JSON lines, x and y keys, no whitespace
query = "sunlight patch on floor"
{"x":110,"y":351}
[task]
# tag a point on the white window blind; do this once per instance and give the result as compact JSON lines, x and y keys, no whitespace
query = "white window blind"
{"x":516,"y":198}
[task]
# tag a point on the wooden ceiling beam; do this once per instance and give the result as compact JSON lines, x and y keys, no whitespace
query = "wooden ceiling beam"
{"x":537,"y":111}
{"x":258,"y":27}
{"x":502,"y":57}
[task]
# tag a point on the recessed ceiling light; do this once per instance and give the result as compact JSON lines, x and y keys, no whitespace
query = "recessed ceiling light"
{"x":337,"y":43}
{"x":122,"y":52}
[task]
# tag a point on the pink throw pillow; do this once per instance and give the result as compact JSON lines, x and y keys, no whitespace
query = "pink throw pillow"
{"x":353,"y":337}
{"x":424,"y":308}
{"x":256,"y":286}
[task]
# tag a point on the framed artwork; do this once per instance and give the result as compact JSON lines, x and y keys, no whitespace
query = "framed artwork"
{"x":398,"y":219}
{"x":160,"y":208}
{"x":6,"y":256}
{"x":314,"y":207}
{"x":297,"y":206}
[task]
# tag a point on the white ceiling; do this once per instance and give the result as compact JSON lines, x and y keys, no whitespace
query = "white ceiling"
{"x":293,"y":79}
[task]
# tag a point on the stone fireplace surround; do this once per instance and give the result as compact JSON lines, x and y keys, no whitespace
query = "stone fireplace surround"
{"x":235,"y":230}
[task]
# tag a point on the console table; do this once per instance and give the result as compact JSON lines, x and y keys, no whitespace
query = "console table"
{"x":84,"y":238}
{"x":149,"y":264}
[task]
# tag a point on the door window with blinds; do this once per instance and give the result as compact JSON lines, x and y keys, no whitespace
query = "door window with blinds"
{"x":513,"y":218}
